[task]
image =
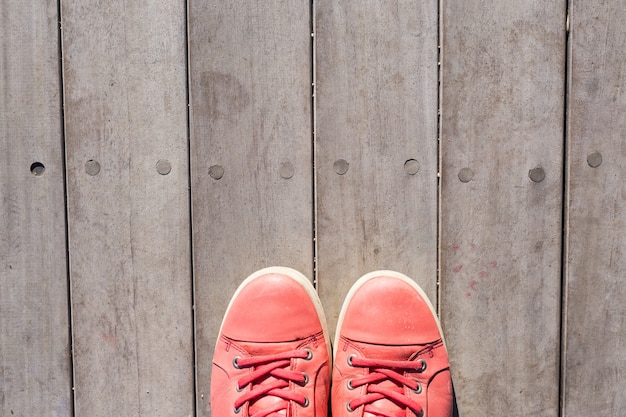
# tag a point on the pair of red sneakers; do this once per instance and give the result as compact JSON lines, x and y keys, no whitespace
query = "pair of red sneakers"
{"x":272,"y":356}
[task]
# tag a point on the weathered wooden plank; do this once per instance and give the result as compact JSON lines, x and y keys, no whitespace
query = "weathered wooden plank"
{"x":596,"y":211}
{"x":501,"y":203}
{"x":35,"y":368}
{"x":250,"y":68}
{"x":126,"y":145}
{"x":376,"y":143}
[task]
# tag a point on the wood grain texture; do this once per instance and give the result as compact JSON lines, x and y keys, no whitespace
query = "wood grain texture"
{"x":376,"y":109}
{"x":126,"y":110}
{"x":35,"y":368}
{"x":502,"y":118}
{"x":250,"y":68}
{"x":596,"y":211}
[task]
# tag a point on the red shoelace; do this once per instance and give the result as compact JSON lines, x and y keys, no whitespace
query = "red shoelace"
{"x":274,"y":366}
{"x":387,"y":370}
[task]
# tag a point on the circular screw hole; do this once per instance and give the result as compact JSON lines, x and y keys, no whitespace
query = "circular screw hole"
{"x":537,"y":174}
{"x":92,"y":167}
{"x":163,"y":166}
{"x":341,"y":166}
{"x":411,"y":167}
{"x":466,"y":174}
{"x":286,"y":170}
{"x":37,"y":169}
{"x":594,"y":160}
{"x":216,"y":172}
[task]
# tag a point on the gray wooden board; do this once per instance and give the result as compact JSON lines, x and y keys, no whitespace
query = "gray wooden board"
{"x":502,"y":118}
{"x":35,"y":369}
{"x":376,"y":109}
{"x":250,"y":77}
{"x":128,"y":200}
{"x":595,"y":362}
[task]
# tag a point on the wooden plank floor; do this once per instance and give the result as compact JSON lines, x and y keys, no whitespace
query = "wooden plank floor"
{"x":376,"y":119}
{"x":595,"y":250}
{"x":251,"y":152}
{"x":128,"y":208}
{"x":35,"y":365}
{"x":501,"y":203}
{"x":154,"y":154}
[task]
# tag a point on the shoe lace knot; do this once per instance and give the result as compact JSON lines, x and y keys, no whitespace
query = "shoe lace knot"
{"x":389,"y":380}
{"x":270,"y":376}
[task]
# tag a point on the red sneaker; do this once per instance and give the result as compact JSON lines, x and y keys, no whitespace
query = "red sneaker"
{"x":390,"y":358}
{"x":272,"y":353}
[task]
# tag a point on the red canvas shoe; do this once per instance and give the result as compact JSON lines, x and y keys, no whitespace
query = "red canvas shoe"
{"x":273,"y":350}
{"x":389,"y":354}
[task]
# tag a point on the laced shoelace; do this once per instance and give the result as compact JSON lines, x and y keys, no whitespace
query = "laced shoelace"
{"x":274,"y":366}
{"x":387,"y":370}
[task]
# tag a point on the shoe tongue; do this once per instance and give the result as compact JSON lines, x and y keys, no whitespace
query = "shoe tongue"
{"x":269,"y":402}
{"x":394,"y":353}
{"x":385,"y":404}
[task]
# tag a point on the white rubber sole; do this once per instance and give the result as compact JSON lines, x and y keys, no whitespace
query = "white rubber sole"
{"x":393,"y":274}
{"x":300,"y":279}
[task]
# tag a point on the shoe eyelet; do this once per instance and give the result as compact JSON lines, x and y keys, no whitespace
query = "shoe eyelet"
{"x":421,"y":414}
{"x":309,"y":354}
{"x":306,"y":379}
{"x":349,"y":360}
{"x":422,"y":367}
{"x":349,"y":385}
{"x":238,"y":388}
{"x":235,"y":364}
{"x":418,"y":390}
{"x":237,"y":410}
{"x":306,"y":402}
{"x":350,"y":409}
